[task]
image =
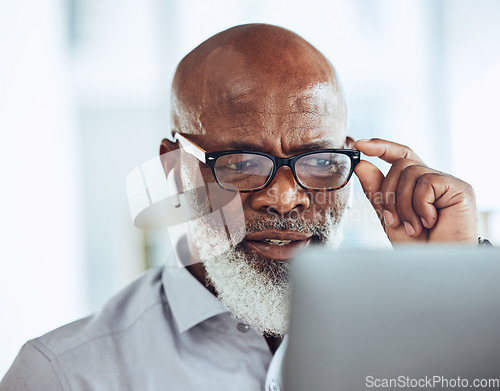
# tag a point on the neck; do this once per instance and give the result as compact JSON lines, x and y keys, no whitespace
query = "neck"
{"x":193,"y":264}
{"x":273,"y":343}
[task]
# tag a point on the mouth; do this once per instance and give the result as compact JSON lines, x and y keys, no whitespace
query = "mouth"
{"x":277,"y":245}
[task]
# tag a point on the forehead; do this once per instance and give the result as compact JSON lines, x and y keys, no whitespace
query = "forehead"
{"x":274,"y":121}
{"x":233,"y":100}
{"x":282,"y":124}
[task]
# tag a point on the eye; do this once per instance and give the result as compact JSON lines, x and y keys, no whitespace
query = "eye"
{"x":241,"y":165}
{"x":323,"y":164}
{"x":246,"y":164}
{"x":318,"y":162}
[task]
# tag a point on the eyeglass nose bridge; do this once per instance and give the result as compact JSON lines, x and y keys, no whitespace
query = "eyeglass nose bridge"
{"x":284,"y":161}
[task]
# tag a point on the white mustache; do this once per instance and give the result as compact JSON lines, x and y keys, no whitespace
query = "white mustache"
{"x":287,"y":224}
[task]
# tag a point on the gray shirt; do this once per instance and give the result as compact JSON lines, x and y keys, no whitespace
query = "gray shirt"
{"x":165,"y":331}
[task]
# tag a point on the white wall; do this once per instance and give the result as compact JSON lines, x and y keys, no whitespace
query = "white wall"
{"x":42,"y":275}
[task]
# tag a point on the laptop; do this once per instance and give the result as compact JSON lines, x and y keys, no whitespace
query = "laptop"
{"x":411,"y":318}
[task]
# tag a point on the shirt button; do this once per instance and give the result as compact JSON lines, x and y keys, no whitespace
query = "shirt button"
{"x":242,"y":327}
{"x":273,"y":386}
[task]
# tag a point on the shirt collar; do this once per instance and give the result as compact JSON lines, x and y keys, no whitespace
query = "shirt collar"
{"x":191,"y":302}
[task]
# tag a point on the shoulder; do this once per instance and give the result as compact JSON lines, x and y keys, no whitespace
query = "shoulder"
{"x":95,"y":344}
{"x":122,"y":312}
{"x":31,"y":370}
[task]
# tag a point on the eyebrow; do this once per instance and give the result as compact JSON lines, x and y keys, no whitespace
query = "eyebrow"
{"x":314,"y":146}
{"x":243,"y":145}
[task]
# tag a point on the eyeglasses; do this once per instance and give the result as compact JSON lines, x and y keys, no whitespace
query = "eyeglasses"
{"x":248,"y":171}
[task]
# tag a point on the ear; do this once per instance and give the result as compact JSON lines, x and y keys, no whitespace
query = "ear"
{"x":167,"y":146}
{"x":168,"y":157}
{"x":349,"y":143}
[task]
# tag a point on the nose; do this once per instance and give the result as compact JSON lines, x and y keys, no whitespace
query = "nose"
{"x":282,"y":196}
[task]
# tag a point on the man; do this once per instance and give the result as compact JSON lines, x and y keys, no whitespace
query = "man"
{"x":264,"y":112}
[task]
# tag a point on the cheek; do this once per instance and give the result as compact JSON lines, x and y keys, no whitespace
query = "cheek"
{"x":206,"y":173}
{"x":227,"y":212}
{"x":194,"y":174}
{"x":194,"y":188}
{"x":334,"y":202}
{"x":209,"y":206}
{"x":191,"y":172}
{"x":201,"y":188}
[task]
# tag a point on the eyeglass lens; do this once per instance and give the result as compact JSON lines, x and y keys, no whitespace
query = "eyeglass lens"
{"x":323,"y":170}
{"x":245,"y":171}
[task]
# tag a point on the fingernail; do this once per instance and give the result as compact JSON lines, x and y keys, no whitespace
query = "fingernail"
{"x":363,"y":140}
{"x":424,"y":222}
{"x":388,"y":217}
{"x":409,"y":229}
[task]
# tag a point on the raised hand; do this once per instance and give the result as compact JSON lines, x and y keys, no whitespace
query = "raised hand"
{"x":415,"y":202}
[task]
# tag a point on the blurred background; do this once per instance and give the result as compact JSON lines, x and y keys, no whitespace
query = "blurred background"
{"x":84,"y":97}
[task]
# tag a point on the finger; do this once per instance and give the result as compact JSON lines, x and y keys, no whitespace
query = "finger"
{"x":456,"y":205}
{"x":390,"y":189}
{"x":406,"y":197}
{"x":424,"y":198}
{"x":371,"y":179}
{"x":448,"y":205}
{"x":386,"y":150}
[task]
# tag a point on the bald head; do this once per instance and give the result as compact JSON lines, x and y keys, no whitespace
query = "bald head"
{"x":252,"y":69}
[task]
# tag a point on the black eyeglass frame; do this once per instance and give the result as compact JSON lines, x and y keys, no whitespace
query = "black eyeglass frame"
{"x":210,"y":158}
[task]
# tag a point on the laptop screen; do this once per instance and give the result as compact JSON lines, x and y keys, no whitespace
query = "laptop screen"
{"x":412,"y":318}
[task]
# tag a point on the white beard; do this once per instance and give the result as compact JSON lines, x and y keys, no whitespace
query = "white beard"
{"x":256,"y":290}
{"x":252,"y":296}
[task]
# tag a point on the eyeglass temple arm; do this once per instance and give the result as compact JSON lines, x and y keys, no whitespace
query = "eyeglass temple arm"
{"x":191,"y":148}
